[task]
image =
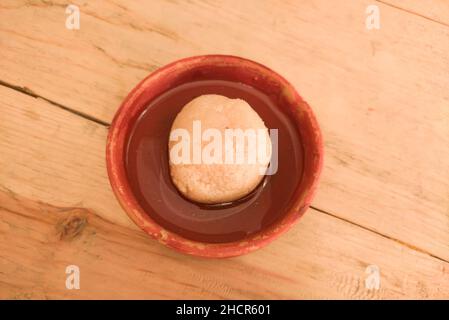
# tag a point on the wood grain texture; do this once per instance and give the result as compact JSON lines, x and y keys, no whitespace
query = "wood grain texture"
{"x":47,"y":223}
{"x":381,"y":98}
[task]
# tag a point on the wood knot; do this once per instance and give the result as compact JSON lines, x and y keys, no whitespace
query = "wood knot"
{"x":71,"y":226}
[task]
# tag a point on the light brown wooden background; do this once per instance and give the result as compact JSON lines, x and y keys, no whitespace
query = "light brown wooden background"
{"x":381,"y":97}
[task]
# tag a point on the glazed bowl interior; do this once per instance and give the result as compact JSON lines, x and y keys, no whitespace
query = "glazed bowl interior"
{"x":202,"y":68}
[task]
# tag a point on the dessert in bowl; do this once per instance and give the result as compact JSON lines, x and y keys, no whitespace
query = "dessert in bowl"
{"x":214,"y":210}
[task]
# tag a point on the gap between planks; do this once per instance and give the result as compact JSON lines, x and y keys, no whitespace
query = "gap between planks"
{"x":411,"y":12}
{"x":29,"y":92}
{"x":380,"y":234}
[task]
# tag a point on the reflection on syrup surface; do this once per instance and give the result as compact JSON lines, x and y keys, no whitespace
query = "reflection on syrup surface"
{"x":149,"y":177}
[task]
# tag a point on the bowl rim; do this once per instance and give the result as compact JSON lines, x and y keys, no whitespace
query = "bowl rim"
{"x":116,"y":146}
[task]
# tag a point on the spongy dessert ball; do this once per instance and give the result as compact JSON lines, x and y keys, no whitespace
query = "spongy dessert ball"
{"x":219,"y":149}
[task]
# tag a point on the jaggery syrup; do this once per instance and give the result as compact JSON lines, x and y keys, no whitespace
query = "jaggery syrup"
{"x":149,"y":177}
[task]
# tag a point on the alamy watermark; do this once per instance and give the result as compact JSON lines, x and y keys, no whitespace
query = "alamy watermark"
{"x":235,"y":146}
{"x":72,"y":22}
{"x":372,"y":281}
{"x":73,"y":277}
{"x":373,"y":17}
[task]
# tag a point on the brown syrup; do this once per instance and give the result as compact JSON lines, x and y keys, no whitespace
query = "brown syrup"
{"x":149,"y":177}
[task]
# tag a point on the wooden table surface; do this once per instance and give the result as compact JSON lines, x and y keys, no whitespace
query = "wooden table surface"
{"x":381,"y":97}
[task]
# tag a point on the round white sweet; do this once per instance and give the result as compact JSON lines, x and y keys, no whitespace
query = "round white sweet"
{"x":204,"y":163}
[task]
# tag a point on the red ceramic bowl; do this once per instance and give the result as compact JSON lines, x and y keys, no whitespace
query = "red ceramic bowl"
{"x":214,"y":67}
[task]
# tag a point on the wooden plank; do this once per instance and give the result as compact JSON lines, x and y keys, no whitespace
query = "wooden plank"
{"x":48,"y":223}
{"x":40,"y":149}
{"x":381,"y":96}
{"x":436,"y":10}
